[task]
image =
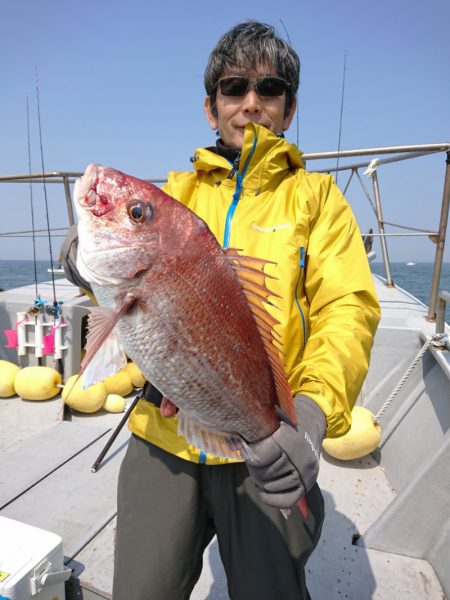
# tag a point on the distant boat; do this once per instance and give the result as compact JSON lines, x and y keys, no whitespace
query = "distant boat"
{"x":410,"y":264}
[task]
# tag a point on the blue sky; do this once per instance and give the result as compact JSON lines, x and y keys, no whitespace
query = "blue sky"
{"x":121,"y":84}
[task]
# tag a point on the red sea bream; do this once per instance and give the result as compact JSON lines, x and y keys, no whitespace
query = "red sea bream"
{"x":191,"y":315}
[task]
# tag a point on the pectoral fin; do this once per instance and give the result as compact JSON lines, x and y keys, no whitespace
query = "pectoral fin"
{"x":107,"y":360}
{"x":104,"y":354}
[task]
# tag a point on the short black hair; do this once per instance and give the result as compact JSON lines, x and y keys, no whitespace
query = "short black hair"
{"x":247,"y":46}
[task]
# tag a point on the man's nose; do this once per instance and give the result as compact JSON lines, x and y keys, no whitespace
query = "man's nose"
{"x":251,"y":101}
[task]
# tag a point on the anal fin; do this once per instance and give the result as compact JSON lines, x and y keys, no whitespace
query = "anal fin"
{"x":216,"y":443}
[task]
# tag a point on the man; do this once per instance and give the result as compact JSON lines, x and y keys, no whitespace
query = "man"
{"x":252,"y":191}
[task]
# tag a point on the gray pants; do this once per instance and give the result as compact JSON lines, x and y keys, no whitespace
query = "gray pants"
{"x":169,"y":510}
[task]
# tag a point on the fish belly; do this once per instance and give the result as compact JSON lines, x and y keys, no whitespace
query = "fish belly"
{"x":217,"y":374}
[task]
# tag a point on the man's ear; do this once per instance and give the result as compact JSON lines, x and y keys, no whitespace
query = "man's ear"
{"x":288,"y":118}
{"x":212,"y":118}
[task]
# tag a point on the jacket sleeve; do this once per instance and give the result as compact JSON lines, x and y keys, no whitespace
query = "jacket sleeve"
{"x":344,"y":309}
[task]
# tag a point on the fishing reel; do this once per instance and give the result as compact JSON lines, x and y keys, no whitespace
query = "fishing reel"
{"x":55,"y":309}
{"x":41,"y":307}
{"x":38,"y":307}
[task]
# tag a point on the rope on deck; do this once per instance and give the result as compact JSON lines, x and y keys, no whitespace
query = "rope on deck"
{"x":402,"y":381}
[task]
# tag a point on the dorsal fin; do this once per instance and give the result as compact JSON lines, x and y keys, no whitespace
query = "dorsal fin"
{"x":244,"y":269}
{"x":256,"y":299}
{"x":252,"y":277}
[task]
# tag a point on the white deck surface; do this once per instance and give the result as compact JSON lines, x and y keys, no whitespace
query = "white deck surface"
{"x":355,"y":494}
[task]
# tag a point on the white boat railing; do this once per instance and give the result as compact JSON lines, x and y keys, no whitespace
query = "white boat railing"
{"x":400,"y":153}
{"x":393,"y":153}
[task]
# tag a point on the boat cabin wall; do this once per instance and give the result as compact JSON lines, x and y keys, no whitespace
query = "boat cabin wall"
{"x":74,"y":311}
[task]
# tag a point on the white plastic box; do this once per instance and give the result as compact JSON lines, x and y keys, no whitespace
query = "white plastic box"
{"x":31,"y":563}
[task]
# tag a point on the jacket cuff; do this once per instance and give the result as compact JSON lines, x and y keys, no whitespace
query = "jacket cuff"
{"x":311,"y":417}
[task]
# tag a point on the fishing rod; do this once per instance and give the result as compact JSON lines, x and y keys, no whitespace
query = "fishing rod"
{"x":36,"y":310}
{"x":296,"y":95}
{"x":340,"y":119}
{"x":17,"y":337}
{"x":56,"y":306}
{"x":49,"y":345}
{"x":31,"y":201}
{"x":150,"y":393}
{"x":115,"y":433}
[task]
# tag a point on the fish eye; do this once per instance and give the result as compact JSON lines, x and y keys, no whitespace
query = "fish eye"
{"x":139,"y":212}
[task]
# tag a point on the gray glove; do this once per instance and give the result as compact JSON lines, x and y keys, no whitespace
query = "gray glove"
{"x":285,"y":465}
{"x":69,"y":250}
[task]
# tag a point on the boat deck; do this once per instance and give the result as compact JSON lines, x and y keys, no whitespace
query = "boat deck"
{"x":46,"y":481}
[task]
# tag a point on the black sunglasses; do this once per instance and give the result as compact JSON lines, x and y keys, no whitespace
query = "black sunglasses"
{"x":268,"y":85}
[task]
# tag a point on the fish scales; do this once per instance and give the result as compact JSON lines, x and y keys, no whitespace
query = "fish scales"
{"x":196,"y":343}
{"x":189,"y":328}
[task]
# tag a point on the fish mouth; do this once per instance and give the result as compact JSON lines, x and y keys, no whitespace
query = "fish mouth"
{"x":87,"y":195}
{"x":117,"y":250}
{"x":86,"y":191}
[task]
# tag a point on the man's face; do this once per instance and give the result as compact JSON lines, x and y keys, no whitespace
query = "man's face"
{"x":234,"y":112}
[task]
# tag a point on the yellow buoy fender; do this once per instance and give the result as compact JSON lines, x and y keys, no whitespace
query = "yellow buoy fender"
{"x":119,"y":383}
{"x":8,"y":372}
{"x":114,"y":403}
{"x":137,"y":379}
{"x":362,"y":438}
{"x":37,"y":383}
{"x":88,"y":400}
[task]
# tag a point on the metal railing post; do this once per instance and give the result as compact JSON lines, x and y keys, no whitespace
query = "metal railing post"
{"x":68,"y":200}
{"x":439,"y":257}
{"x":384,"y":250}
{"x":443,"y":297}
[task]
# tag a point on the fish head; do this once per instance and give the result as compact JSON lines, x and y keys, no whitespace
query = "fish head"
{"x":126,"y":225}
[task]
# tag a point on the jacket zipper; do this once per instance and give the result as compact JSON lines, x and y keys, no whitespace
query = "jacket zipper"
{"x":236,"y":197}
{"x":302,"y":266}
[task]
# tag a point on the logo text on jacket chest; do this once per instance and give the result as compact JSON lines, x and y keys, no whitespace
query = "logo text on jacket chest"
{"x":272,"y":228}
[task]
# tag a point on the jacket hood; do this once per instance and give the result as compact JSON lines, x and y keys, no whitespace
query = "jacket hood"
{"x":264,"y":156}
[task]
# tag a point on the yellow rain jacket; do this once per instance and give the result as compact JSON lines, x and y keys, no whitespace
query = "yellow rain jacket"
{"x":272,"y":208}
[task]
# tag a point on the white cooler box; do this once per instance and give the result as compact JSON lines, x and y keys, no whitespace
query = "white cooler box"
{"x":31,"y":563}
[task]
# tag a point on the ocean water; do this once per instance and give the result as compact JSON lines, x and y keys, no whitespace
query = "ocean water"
{"x":15,"y":273}
{"x":415,"y":279}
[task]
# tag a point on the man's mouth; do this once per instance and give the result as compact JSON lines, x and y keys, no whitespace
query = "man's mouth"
{"x":253,"y":121}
